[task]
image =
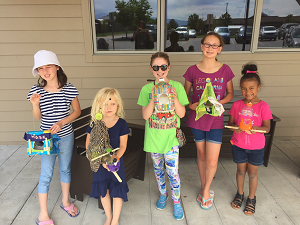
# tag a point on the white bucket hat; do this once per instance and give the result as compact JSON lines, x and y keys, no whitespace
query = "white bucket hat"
{"x":44,"y":57}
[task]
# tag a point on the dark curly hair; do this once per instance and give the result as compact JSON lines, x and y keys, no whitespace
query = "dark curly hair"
{"x":249,"y":72}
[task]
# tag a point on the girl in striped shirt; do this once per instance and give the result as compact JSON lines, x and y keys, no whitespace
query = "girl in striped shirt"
{"x":51,"y":98}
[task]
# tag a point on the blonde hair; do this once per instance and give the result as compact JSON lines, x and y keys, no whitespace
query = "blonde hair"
{"x":102,"y":97}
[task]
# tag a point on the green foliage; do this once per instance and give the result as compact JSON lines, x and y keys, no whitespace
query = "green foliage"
{"x":224,"y":20}
{"x":132,"y":12}
{"x":172,"y":24}
{"x":193,"y":21}
{"x":290,"y":19}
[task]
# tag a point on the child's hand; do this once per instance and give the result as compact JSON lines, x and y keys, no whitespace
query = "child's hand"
{"x":105,"y":166}
{"x":56,"y":127}
{"x":174,"y":92}
{"x":248,"y":131}
{"x":193,"y":106}
{"x":35,"y":98}
{"x":237,"y":130}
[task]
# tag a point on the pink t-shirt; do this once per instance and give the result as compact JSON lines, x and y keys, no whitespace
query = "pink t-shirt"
{"x":219,"y":81}
{"x":250,"y":141}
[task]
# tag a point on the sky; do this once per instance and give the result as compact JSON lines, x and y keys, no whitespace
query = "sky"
{"x":180,"y":10}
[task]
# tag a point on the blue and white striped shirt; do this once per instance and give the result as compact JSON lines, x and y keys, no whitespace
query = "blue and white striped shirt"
{"x":55,"y":107}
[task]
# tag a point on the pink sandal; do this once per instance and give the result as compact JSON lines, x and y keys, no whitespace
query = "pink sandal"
{"x":69,"y":208}
{"x":47,"y":222}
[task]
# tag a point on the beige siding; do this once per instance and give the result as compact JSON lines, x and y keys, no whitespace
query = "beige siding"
{"x":62,"y":26}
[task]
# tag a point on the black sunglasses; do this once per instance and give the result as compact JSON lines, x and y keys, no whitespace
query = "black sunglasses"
{"x":163,"y":67}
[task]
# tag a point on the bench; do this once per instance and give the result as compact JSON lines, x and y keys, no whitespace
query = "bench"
{"x":82,"y":175}
{"x":190,"y":151}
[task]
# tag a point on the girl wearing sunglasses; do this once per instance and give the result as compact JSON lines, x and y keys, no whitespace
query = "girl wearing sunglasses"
{"x":207,"y":131}
{"x":160,"y":131}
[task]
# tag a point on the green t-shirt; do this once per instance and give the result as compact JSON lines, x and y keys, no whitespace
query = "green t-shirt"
{"x":160,"y":136}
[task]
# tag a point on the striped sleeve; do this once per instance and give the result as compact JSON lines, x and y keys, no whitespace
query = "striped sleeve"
{"x":70,"y":92}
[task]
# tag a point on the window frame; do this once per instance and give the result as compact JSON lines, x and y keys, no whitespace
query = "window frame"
{"x":105,"y":56}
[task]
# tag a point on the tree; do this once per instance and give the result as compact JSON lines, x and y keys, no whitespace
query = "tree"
{"x":172,"y":24}
{"x":132,"y":12}
{"x":193,"y":21}
{"x":225,"y":19}
{"x":290,"y":19}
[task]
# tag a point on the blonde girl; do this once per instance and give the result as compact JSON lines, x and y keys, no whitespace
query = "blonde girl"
{"x":108,"y":103}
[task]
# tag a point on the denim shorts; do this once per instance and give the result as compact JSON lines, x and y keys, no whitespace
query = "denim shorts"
{"x":254,"y":157}
{"x":212,"y":136}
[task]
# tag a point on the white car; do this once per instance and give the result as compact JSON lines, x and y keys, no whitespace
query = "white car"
{"x":192,"y":33}
{"x":183,"y":32}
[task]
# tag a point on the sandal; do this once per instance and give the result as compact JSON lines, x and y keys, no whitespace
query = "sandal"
{"x":237,"y":201}
{"x":210,"y":199}
{"x":250,"y":206}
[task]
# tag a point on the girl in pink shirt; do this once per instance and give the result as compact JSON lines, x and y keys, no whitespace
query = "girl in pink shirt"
{"x":248,"y":146}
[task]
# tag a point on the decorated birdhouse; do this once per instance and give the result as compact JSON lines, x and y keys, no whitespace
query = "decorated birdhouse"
{"x":41,"y":143}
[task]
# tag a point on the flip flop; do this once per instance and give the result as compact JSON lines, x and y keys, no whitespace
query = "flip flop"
{"x":210,"y":199}
{"x":71,"y":207}
{"x":47,"y":222}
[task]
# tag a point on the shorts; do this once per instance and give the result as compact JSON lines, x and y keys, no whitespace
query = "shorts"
{"x":254,"y":157}
{"x":212,"y":136}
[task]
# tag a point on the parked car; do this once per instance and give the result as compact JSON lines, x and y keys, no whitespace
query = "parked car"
{"x":192,"y":33}
{"x":152,"y":28}
{"x":239,"y":37}
{"x":224,"y":32}
{"x":292,"y":38}
{"x":183,"y":32}
{"x":284,"y":28}
{"x":267,"y":32}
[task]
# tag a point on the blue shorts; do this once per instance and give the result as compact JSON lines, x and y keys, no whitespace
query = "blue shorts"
{"x":254,"y":157}
{"x":212,"y":136}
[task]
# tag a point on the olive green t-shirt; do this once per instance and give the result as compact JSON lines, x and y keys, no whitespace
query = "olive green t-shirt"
{"x":160,"y":136}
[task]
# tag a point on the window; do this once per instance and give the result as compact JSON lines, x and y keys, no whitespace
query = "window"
{"x":226,"y":17}
{"x":143,"y":26}
{"x":279,"y":25}
{"x":125,"y":25}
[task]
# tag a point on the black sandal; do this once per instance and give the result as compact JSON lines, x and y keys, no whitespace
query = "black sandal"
{"x":237,"y":201}
{"x":250,"y":206}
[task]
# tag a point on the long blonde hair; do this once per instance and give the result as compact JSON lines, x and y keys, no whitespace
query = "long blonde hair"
{"x":102,"y":97}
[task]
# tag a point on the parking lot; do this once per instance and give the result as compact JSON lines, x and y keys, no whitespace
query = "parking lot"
{"x":125,"y":44}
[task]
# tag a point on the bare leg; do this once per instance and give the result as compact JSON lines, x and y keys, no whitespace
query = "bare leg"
{"x":240,"y":179}
{"x":201,"y":163}
{"x":44,"y":216}
{"x":106,"y":203}
{"x":117,"y":205}
{"x":212,"y":157}
{"x":253,"y":179}
{"x":240,"y":176}
{"x":65,"y":187}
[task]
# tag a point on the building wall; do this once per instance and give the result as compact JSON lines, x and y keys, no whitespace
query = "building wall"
{"x":60,"y":26}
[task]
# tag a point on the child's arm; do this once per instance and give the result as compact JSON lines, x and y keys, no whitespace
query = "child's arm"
{"x":265,"y":126}
{"x":229,"y":93}
{"x":231,"y":123}
{"x":76,"y":112}
{"x":187,"y":88}
{"x":148,"y":110}
{"x":123,"y":145}
{"x":87,"y":141}
{"x":179,"y":109}
{"x":36,"y":111}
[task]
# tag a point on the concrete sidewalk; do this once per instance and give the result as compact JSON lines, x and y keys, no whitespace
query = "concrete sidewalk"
{"x":278,"y":193}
